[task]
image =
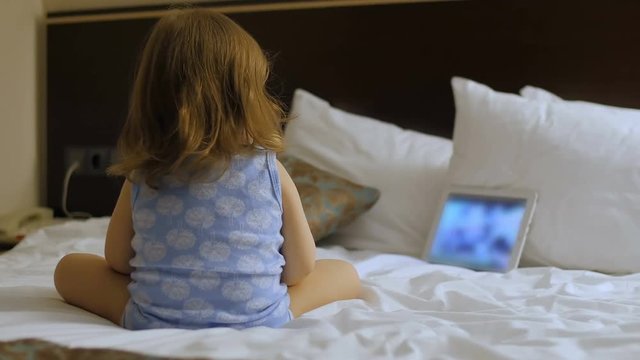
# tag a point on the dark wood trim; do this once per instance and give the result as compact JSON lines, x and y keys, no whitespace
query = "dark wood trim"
{"x":228,"y":7}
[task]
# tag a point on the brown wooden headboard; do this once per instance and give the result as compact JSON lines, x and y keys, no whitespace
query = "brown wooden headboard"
{"x":392,"y":62}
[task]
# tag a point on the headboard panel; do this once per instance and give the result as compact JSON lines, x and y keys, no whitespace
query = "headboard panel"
{"x":392,"y":62}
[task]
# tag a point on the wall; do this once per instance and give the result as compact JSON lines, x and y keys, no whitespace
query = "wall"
{"x":21,"y":102}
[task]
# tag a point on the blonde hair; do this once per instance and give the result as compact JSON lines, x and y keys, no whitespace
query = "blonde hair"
{"x":199,"y":98}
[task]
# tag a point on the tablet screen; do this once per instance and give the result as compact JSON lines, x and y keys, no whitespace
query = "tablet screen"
{"x":478,"y":232}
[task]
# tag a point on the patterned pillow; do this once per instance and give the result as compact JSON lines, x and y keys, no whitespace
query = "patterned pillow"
{"x":328,"y":201}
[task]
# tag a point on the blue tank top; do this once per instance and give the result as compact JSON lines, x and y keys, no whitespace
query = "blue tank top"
{"x":207,"y":253}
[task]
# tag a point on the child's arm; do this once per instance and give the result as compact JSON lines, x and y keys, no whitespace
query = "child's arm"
{"x":117,"y":247}
{"x":299,"y":249}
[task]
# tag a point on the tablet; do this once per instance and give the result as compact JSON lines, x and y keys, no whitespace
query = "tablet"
{"x":481,"y":229}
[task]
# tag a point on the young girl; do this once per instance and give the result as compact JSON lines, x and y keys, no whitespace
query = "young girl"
{"x":209,"y":229}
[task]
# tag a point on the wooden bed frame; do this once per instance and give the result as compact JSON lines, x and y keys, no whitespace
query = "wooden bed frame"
{"x":390,"y":60}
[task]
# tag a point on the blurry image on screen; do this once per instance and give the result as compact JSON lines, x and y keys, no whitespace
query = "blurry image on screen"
{"x":478,"y":232}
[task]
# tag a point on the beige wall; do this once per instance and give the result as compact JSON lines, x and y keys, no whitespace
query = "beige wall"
{"x":21,"y":100}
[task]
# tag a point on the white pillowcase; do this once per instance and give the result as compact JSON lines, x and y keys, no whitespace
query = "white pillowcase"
{"x":583,"y":159}
{"x":409,"y":168}
{"x":536,"y":93}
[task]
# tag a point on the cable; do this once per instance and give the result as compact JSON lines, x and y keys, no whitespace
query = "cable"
{"x":65,"y":190}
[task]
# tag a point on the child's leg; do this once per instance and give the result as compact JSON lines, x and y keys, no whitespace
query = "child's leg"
{"x":87,"y":281}
{"x":330,"y":281}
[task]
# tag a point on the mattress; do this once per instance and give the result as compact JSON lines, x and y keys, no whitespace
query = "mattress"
{"x":408,"y":310}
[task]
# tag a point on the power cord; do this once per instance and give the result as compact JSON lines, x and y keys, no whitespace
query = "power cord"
{"x":65,"y":190}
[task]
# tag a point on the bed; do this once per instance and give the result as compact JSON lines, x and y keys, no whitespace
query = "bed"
{"x":577,"y":294}
{"x":409,"y":310}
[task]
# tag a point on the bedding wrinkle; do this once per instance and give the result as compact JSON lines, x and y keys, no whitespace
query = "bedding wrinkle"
{"x":463,"y":348}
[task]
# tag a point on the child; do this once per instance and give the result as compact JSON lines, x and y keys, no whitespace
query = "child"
{"x":209,"y":229}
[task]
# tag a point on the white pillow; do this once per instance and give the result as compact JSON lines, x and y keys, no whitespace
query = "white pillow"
{"x":536,"y":93}
{"x":409,"y":168}
{"x":583,"y":159}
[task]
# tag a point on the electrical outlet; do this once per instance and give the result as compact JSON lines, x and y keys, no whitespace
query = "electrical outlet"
{"x":91,"y":160}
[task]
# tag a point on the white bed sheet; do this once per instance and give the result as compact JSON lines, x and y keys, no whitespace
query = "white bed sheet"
{"x":409,"y":310}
